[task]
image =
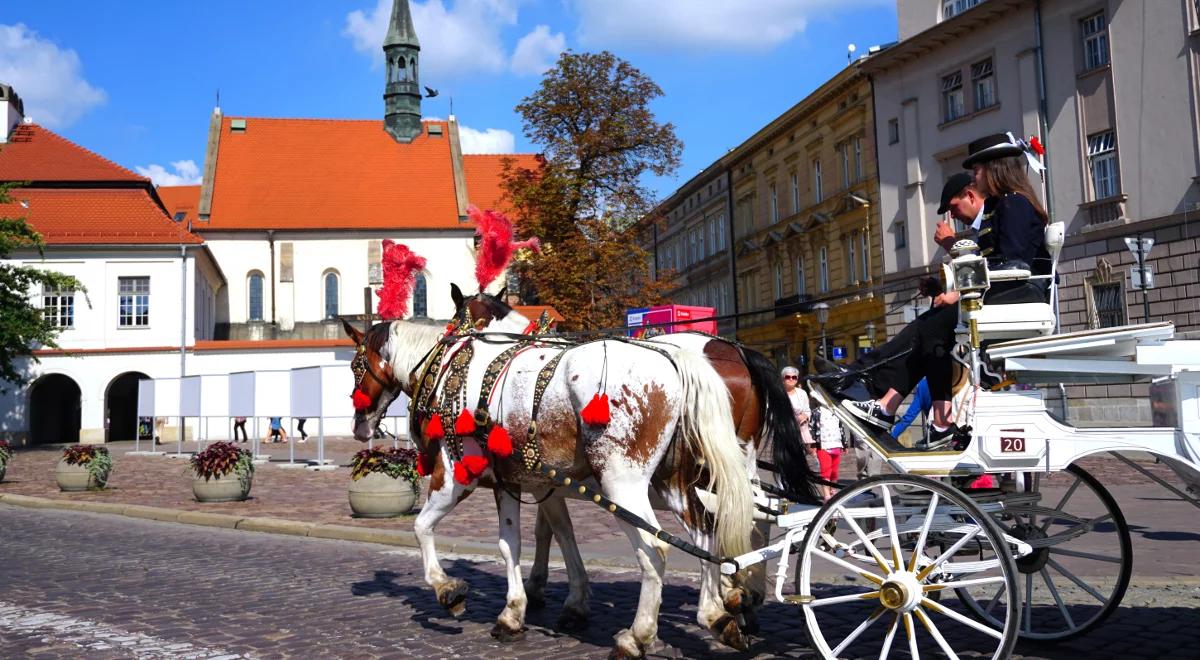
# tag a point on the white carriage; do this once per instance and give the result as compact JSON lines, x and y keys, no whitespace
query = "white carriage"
{"x":1009,"y":553}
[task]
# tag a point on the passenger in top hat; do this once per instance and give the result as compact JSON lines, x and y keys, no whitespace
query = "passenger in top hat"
{"x":1011,"y":235}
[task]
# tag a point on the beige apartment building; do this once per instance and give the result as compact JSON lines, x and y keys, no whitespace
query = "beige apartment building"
{"x":1111,"y":88}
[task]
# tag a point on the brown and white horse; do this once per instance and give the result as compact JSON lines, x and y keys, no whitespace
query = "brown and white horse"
{"x":656,"y":397}
{"x":761,"y":411}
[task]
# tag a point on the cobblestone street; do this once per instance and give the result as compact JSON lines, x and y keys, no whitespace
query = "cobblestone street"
{"x":90,"y":585}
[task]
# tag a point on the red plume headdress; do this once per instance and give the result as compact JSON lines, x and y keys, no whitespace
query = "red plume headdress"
{"x":400,"y":267}
{"x":496,"y":245}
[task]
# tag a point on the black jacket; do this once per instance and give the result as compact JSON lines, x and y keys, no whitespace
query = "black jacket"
{"x":1017,"y":233}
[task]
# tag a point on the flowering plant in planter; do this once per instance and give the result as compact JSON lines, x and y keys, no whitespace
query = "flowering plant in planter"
{"x":222,"y":458}
{"x":95,"y":458}
{"x":398,"y":463}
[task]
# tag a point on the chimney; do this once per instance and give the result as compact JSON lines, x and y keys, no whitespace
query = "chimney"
{"x":11,"y":109}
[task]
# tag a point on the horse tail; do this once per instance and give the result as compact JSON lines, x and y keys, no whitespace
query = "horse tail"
{"x":780,"y":428}
{"x":706,"y":423}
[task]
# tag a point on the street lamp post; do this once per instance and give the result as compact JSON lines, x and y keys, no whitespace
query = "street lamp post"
{"x":870,"y":328}
{"x":821,"y":309}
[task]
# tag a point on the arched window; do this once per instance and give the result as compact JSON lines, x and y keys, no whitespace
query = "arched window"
{"x":412,"y":64}
{"x":254,"y":295}
{"x":331,"y":295}
{"x":401,"y":71}
{"x":420,"y":306}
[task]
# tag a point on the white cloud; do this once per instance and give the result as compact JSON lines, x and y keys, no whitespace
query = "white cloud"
{"x":487,"y":141}
{"x":698,"y":24}
{"x":463,"y":38}
{"x":48,"y":79}
{"x":186,"y":173}
{"x":537,"y":51}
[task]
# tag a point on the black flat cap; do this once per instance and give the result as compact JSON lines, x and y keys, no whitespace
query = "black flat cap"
{"x":990,"y":148}
{"x":954,"y":185}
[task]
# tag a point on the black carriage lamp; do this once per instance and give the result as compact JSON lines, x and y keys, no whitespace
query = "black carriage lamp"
{"x":821,"y":310}
{"x":970,"y":280}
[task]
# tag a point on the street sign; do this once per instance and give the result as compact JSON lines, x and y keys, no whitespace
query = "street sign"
{"x":839,"y":352}
{"x":1136,"y":277}
{"x":1140,"y":247}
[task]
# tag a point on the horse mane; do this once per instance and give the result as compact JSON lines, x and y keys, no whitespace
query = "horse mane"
{"x":407,"y":341}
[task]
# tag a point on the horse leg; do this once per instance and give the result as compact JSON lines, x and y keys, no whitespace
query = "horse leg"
{"x":510,"y":625}
{"x":539,"y":573}
{"x":444,"y":494}
{"x":651,"y":554}
{"x":575,"y":611}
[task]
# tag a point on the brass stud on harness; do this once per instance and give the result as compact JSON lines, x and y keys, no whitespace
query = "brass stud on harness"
{"x":567,"y":481}
{"x":582,"y":490}
{"x":597,"y":499}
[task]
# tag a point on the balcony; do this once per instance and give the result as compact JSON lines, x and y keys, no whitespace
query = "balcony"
{"x":1105,"y":211}
{"x":792,"y":304}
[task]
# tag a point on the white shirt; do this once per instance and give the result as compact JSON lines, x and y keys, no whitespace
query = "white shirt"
{"x":831,"y":429}
{"x":799,"y":400}
{"x":978,"y":219}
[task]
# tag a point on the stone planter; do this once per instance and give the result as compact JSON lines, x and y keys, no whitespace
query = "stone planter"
{"x":376,"y":495}
{"x":74,"y":478}
{"x":2,"y":469}
{"x":229,"y":488}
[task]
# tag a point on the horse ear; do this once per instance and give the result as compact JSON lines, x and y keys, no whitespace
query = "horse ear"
{"x":503,"y":295}
{"x":351,"y":331}
{"x":457,"y":294}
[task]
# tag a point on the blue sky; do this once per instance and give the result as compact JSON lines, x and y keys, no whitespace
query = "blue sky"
{"x":137,"y":80}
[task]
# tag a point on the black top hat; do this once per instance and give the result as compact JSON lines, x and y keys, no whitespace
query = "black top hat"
{"x":990,"y":148}
{"x":954,"y":186}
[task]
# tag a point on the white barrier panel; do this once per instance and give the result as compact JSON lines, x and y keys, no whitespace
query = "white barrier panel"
{"x":272,"y":394}
{"x":241,"y":394}
{"x":337,"y":383}
{"x":166,"y":397}
{"x":399,"y":407}
{"x":145,"y":404}
{"x":189,"y":396}
{"x":306,"y":392}
{"x":214,"y":395}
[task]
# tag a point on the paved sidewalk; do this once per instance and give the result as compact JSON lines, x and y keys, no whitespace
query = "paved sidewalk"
{"x":303,"y":502}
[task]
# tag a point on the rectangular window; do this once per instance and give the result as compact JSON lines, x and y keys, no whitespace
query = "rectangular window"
{"x":774,"y":205}
{"x":851,"y":262}
{"x":795,"y":193}
{"x":901,"y":239}
{"x":712,"y":235}
{"x":58,"y":307}
{"x":1094,"y":32}
{"x":801,"y":283}
{"x":133,"y":299}
{"x":893,"y":131}
{"x":824,"y":265}
{"x":700,"y":239}
{"x":1108,"y":300}
{"x":984,"y":84}
{"x":865,"y":255}
{"x":952,"y":97}
{"x":778,"y":280}
{"x":817,"y":197}
{"x":858,"y":159}
{"x":692,"y":248}
{"x":721,"y":232}
{"x":1102,"y":160}
{"x":844,"y":150}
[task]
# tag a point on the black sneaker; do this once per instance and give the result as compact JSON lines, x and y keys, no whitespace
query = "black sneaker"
{"x":937,"y":440}
{"x":870,"y":412}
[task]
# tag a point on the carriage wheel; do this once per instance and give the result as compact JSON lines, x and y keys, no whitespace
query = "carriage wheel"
{"x":922,"y":536}
{"x":1081,"y":564}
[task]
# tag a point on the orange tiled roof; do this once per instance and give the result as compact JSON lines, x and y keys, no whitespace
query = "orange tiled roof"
{"x":331,"y":174}
{"x":36,"y":154}
{"x":532,"y":312}
{"x":483,"y":172}
{"x":180,"y":199}
{"x":73,"y":216}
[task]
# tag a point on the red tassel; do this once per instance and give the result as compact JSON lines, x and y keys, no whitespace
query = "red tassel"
{"x":434,"y":429}
{"x":465,"y":424}
{"x":596,"y":412}
{"x":360,"y":399}
{"x":499,"y":443}
{"x":460,"y":474}
{"x":529,"y":329}
{"x":1036,"y":145}
{"x":469,"y":469}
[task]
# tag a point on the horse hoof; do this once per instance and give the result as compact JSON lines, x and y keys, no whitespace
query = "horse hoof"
{"x":571,"y":621}
{"x":727,"y":631}
{"x":626,"y":647}
{"x":502,"y":633}
{"x":737,"y":600}
{"x":453,"y":597}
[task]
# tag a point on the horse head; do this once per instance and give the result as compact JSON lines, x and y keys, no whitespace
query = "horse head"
{"x":375,"y":381}
{"x":482,"y":309}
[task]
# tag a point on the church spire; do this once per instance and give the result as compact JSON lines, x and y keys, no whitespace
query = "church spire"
{"x":402,"y":93}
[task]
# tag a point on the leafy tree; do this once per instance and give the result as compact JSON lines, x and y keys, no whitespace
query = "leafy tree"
{"x":22,"y":327}
{"x":591,"y":117}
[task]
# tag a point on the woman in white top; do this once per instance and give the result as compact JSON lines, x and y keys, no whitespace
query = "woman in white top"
{"x":800,"y":406}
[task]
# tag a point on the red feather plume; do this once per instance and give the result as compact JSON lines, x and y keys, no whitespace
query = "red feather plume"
{"x":496,"y":245}
{"x":400,"y":267}
{"x":1036,"y":145}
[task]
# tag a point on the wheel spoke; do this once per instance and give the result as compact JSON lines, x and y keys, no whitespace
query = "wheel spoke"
{"x":958,"y":545}
{"x":959,"y":584}
{"x":937,"y":635}
{"x":1028,"y":615}
{"x":1084,"y":555}
{"x":867,"y":545}
{"x":860,"y":629}
{"x":849,"y":598}
{"x":1057,"y":598}
{"x":897,"y":560}
{"x":912,"y":636}
{"x":920,"y":547}
{"x":1061,"y":503}
{"x":970,"y":623}
{"x":887,"y":640}
{"x":847,"y":565}
{"x":995,"y":599}
{"x":1080,"y":583}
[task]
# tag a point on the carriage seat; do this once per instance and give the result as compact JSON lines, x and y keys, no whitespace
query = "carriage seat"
{"x":1025,"y":319}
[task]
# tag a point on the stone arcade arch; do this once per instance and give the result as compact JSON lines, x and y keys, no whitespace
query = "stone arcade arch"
{"x":55,"y":402}
{"x":120,"y":406}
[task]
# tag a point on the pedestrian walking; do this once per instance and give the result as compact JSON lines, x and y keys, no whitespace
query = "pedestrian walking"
{"x":830,"y":442}
{"x":239,"y":424}
{"x":300,"y":428}
{"x":275,"y":433}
